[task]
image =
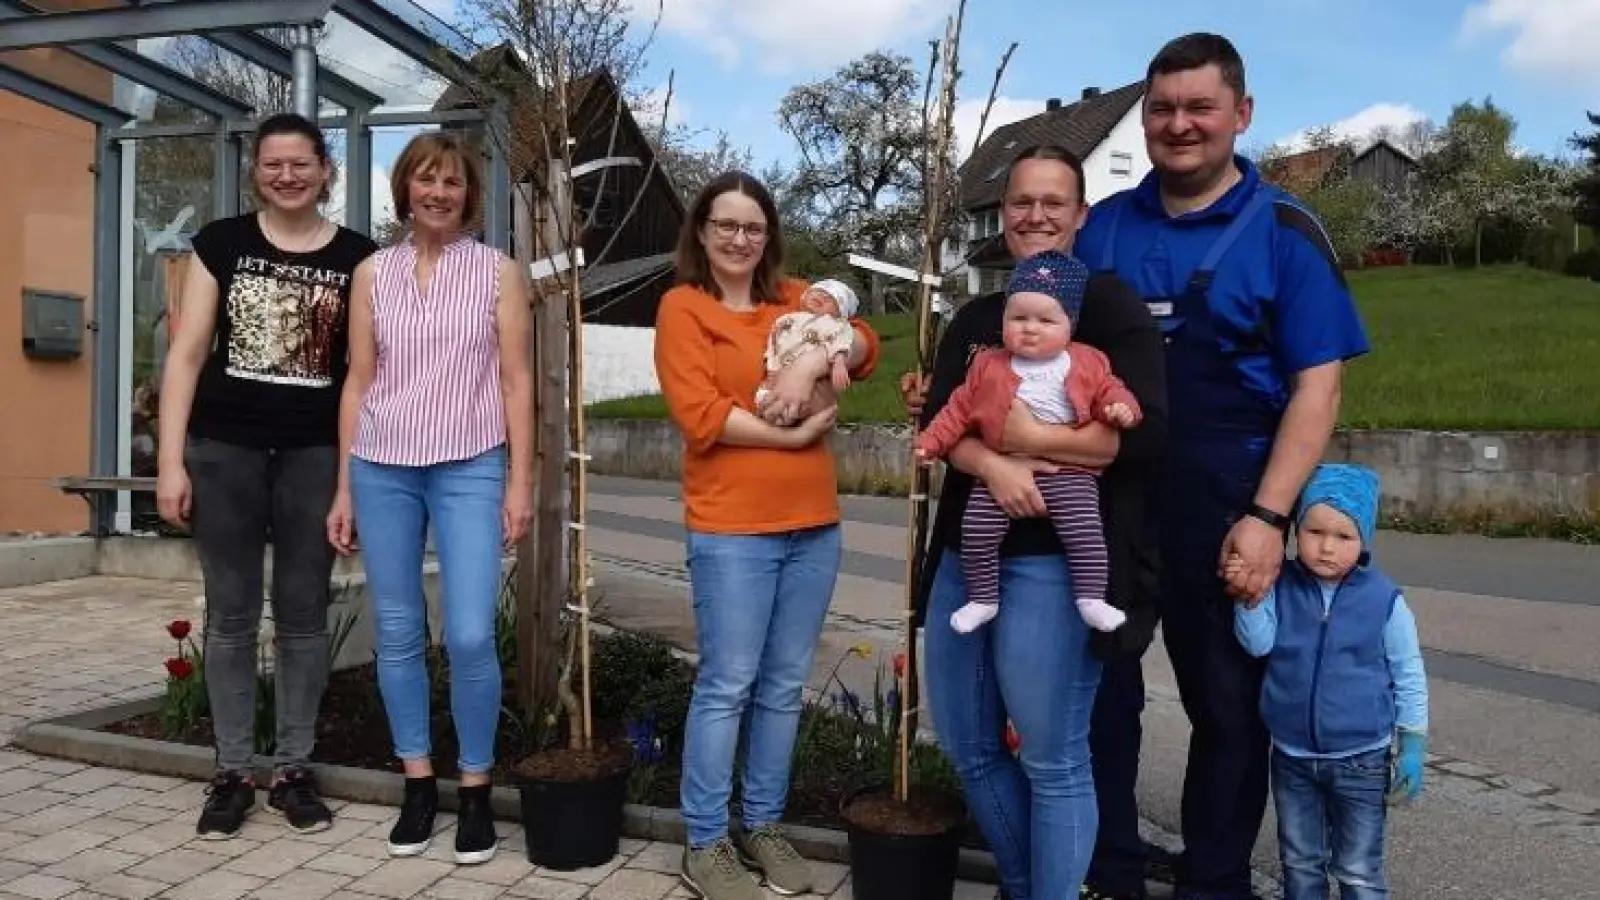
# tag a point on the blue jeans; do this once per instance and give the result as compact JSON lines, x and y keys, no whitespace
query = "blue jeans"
{"x":759,"y":605}
{"x":393,"y":508}
{"x":1331,"y":817}
{"x":1032,"y":663}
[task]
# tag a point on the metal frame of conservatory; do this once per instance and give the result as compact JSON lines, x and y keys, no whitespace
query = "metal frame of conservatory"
{"x":104,"y":38}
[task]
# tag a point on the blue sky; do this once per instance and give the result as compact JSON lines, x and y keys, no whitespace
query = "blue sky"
{"x":1353,"y":64}
{"x":1308,"y":62}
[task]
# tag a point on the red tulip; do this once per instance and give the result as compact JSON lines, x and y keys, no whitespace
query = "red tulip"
{"x":179,"y":629}
{"x":899,"y":665}
{"x":179,"y":668}
{"x":1013,"y":739}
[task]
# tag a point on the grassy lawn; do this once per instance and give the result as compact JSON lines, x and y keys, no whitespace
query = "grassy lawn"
{"x":1498,"y":348}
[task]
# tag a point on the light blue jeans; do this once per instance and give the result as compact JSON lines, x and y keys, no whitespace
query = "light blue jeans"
{"x":394,"y":506}
{"x":1031,"y":663}
{"x":759,"y":605}
{"x":1331,"y":817}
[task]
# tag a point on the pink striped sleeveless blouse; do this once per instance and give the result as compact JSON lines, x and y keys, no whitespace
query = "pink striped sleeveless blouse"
{"x":436,"y":394}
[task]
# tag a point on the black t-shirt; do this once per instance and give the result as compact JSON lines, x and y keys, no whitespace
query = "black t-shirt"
{"x":1115,"y":321}
{"x":279,"y":355}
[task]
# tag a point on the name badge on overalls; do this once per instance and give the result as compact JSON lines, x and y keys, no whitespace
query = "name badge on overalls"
{"x":1160,"y":310}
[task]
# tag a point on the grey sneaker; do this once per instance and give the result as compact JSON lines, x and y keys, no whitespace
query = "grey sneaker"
{"x":714,"y":873}
{"x":783,"y":870}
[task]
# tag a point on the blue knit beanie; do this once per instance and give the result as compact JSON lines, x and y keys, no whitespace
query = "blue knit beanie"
{"x":1054,"y":273}
{"x":1348,"y":488}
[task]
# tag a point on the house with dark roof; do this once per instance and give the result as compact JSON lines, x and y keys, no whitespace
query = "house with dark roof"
{"x":1380,"y":163}
{"x":630,"y":215}
{"x":1102,"y":128}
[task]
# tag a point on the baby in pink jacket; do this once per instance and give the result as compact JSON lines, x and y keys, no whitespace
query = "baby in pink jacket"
{"x":1061,"y":382}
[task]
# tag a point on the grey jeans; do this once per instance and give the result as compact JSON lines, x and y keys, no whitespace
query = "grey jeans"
{"x":238,"y":494}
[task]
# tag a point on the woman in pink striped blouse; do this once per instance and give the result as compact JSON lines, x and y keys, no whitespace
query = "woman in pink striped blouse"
{"x":436,"y":427}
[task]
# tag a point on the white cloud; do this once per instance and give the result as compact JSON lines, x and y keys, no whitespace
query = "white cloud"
{"x":1360,"y":126}
{"x":1554,"y":37}
{"x":778,"y":35}
{"x":1006,"y":110}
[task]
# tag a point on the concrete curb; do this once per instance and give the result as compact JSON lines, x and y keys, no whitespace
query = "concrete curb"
{"x":76,"y":737}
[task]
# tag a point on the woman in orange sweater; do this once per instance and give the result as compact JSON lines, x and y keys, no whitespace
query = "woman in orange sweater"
{"x":762,"y":511}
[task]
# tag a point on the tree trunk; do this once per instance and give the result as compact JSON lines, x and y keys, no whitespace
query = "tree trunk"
{"x":1477,"y":244}
{"x":541,"y":572}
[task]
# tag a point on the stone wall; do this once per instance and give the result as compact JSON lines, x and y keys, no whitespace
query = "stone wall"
{"x":1512,"y":477}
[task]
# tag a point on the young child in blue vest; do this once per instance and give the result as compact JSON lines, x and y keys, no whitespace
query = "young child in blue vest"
{"x":1344,"y":675}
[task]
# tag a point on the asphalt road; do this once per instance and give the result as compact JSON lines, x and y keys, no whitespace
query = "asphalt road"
{"x":1511,"y":635}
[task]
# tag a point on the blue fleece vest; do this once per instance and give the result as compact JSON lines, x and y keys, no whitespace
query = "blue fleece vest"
{"x":1328,"y":688}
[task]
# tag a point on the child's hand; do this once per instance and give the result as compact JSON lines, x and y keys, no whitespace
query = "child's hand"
{"x":1233,"y":568}
{"x":841,"y":374}
{"x":1408,"y":765}
{"x":924,"y":458}
{"x":1120,"y":415}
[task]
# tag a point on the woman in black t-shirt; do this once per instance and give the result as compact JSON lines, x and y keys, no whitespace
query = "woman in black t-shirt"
{"x":248,"y":447}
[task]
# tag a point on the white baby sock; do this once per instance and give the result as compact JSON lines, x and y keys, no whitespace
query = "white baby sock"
{"x":1100,"y":615}
{"x":973,"y":616}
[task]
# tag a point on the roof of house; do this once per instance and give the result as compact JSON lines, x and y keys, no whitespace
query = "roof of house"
{"x":1309,"y":168}
{"x":1306,"y":168}
{"x":1080,"y":127}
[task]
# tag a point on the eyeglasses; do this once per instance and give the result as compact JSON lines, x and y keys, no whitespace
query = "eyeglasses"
{"x":1052,"y":207}
{"x":728,"y":229}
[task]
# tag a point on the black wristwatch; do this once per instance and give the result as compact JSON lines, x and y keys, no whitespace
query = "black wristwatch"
{"x":1275,"y":519}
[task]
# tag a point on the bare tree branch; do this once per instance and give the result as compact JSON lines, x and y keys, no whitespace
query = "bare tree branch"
{"x":994,"y":94}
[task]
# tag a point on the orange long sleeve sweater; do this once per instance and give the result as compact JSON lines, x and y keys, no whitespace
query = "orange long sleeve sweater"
{"x":709,"y":360}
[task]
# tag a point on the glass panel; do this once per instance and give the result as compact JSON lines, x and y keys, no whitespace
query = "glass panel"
{"x":220,"y":69}
{"x":364,"y":58}
{"x":172,"y":200}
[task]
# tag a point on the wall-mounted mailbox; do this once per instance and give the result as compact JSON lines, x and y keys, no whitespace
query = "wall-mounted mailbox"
{"x":52,"y":324}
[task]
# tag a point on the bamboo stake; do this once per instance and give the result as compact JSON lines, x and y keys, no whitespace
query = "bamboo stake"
{"x":578,"y":567}
{"x":935,"y":189}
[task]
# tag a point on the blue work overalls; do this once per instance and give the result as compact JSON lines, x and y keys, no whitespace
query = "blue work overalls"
{"x":1221,"y":429}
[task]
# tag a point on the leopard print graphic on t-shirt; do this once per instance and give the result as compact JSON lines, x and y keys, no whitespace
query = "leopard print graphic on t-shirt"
{"x":284,"y":318}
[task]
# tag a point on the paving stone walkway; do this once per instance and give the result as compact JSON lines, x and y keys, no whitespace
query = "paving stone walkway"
{"x":73,"y":831}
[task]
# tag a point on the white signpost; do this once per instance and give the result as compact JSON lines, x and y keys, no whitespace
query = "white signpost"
{"x":903,"y":273}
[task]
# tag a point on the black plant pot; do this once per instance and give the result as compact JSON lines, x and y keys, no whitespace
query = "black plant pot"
{"x":573,"y":824}
{"x":887,"y":866}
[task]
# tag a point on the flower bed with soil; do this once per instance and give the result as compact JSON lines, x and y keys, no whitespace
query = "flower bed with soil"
{"x":641,"y":696}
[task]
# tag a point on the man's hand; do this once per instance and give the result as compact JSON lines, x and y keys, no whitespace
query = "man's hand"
{"x":1010,"y":482}
{"x":1259,"y":548}
{"x":914,"y":393}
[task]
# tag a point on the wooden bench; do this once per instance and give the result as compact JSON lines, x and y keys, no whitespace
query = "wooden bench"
{"x":96,"y":489}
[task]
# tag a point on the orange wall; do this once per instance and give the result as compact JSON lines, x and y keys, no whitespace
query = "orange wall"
{"x":46,"y":242}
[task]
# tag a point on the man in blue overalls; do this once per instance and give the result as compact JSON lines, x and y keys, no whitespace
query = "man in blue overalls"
{"x":1257,"y":323}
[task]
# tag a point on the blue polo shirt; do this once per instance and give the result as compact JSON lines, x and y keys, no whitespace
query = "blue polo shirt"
{"x":1281,"y":279}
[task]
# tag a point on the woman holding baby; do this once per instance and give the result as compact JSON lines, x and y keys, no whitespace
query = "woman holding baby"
{"x":762,"y":513}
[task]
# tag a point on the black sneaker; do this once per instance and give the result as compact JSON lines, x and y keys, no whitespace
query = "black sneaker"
{"x":295,"y":797}
{"x":228,"y":801}
{"x":475,"y":837}
{"x":414,"y":832}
